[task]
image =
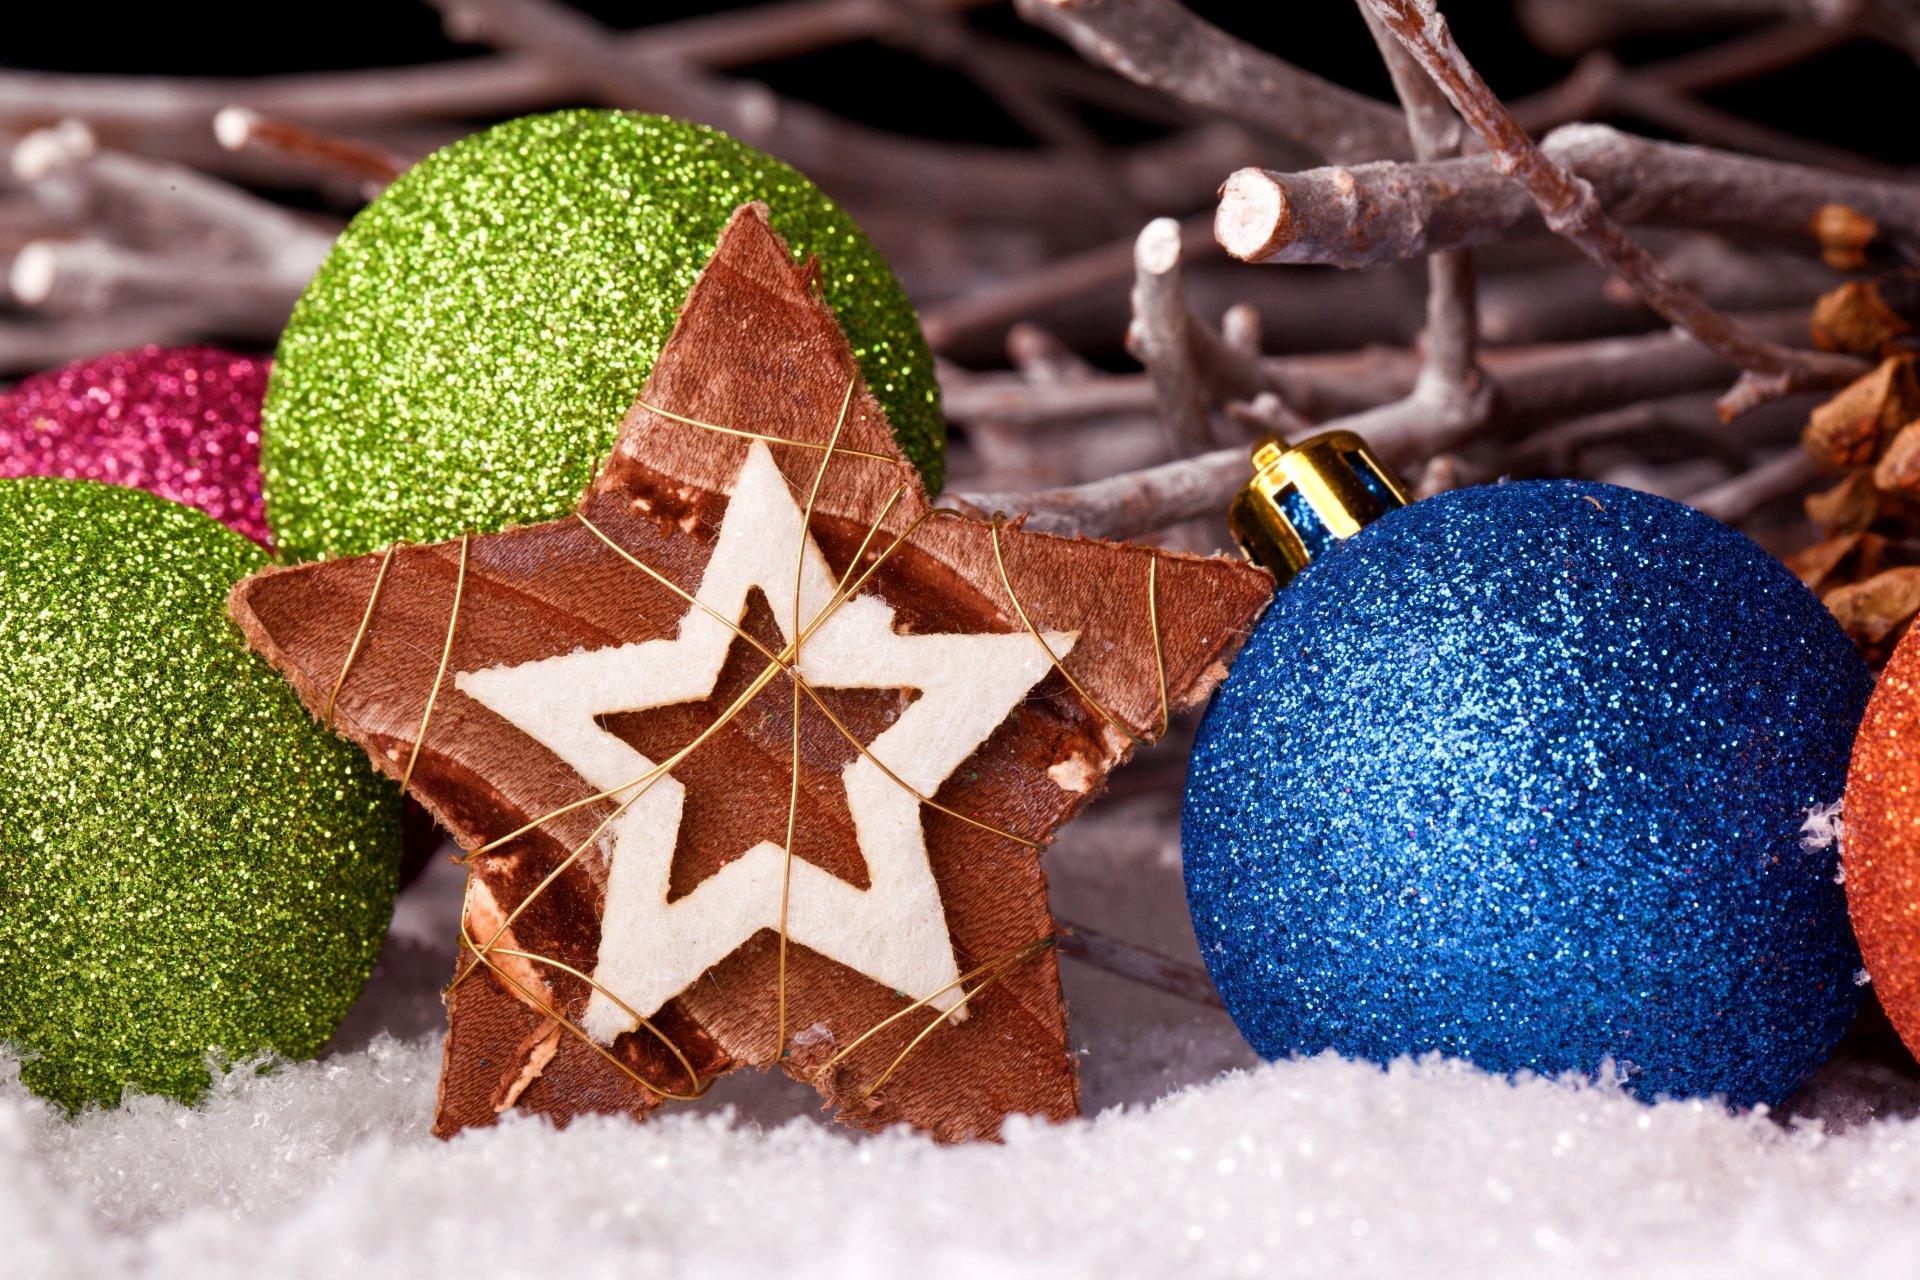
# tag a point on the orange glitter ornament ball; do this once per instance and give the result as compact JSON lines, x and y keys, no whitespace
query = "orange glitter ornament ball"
{"x":1882,"y":848}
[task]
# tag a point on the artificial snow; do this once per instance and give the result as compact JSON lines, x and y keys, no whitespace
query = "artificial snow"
{"x":1194,"y":1161}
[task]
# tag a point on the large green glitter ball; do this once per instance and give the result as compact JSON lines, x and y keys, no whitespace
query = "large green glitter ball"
{"x":189,"y":865}
{"x":464,"y":356}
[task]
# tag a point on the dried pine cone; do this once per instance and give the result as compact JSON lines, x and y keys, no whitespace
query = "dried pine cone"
{"x":1867,"y":567}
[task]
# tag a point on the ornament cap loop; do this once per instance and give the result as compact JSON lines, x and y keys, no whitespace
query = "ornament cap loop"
{"x":1303,"y":498}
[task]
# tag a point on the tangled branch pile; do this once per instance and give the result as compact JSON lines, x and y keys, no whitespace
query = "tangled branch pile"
{"x":1677,"y":356}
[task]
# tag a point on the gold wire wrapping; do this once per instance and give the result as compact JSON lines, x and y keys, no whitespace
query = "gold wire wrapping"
{"x":786,"y":662}
{"x":1153,"y":613}
{"x":439,"y":676}
{"x":359,"y":637}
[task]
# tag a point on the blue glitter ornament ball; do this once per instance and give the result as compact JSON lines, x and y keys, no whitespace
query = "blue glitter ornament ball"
{"x":1518,"y":774}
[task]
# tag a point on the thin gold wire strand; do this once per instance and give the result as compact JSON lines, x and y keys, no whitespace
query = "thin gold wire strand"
{"x":1001,"y":560}
{"x":886,"y":510}
{"x":1007,"y":966}
{"x":739,"y":704}
{"x":359,"y":636}
{"x":699,"y":1087}
{"x":446,"y":653}
{"x":787,"y":661}
{"x":1153,"y":625}
{"x":793,"y":677}
{"x":646,"y":780}
{"x":933,"y":995}
{"x":755,"y":435}
{"x":562,"y":1021}
{"x":840,"y":598}
{"x":645,"y":783}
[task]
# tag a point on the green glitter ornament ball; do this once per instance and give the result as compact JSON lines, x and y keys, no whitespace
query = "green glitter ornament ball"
{"x":464,"y":357}
{"x":189,"y":865}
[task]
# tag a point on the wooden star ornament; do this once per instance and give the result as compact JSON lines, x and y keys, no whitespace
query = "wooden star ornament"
{"x":753,"y":756}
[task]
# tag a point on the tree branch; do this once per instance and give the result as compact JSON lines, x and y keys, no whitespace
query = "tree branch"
{"x":1601,"y":86}
{"x":152,"y":203}
{"x":29,"y":348}
{"x":999,"y":305}
{"x":1530,"y":388}
{"x":1137,"y":964}
{"x":1733,"y":500}
{"x":1573,"y":212}
{"x":1450,"y":387}
{"x":1132,"y":503}
{"x":850,"y":160}
{"x":1375,"y":214}
{"x":368,"y":166}
{"x":1572,"y":26}
{"x":469,"y":88}
{"x":1163,"y":335}
{"x":94,"y":277}
{"x":1163,"y":44}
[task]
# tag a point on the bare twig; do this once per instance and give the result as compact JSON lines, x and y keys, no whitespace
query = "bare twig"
{"x":1570,"y":302}
{"x":1530,"y":389}
{"x":1374,"y":214}
{"x":152,"y":203}
{"x":1538,"y":385}
{"x":1747,"y":56}
{"x":470,"y":88}
{"x":1163,"y":44}
{"x":1443,"y":473}
{"x":1557,"y":450}
{"x":1015,"y":454}
{"x":1084,"y":296}
{"x":370,"y":166}
{"x":1573,"y":212}
{"x":160,"y":239}
{"x":1241,"y":329}
{"x":1600,"y":86}
{"x":1137,"y":964}
{"x":1005,"y":397}
{"x":1551,"y":384}
{"x":1450,"y":390}
{"x":1572,"y":26}
{"x":1066,"y":76}
{"x":94,"y":277}
{"x":940,"y":37}
{"x":1786,"y":473}
{"x":999,"y":305}
{"x":26,"y":348}
{"x":1160,"y":337}
{"x":1136,"y":502}
{"x":850,"y":160}
{"x":1043,"y":359}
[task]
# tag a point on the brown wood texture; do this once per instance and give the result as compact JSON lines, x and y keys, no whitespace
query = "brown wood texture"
{"x":755,"y":349}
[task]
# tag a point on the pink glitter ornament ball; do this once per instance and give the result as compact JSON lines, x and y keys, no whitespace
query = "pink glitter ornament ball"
{"x":181,"y":422}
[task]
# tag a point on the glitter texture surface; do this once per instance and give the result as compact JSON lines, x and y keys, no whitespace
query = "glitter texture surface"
{"x":1882,"y":844}
{"x":464,"y":356}
{"x":182,"y":422}
{"x":187,"y":862}
{"x":1517,"y":774}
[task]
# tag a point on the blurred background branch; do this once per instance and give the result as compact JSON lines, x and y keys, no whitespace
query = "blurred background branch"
{"x":1054,"y":181}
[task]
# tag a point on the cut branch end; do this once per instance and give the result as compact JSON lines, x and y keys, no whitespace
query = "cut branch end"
{"x":1254,"y":220}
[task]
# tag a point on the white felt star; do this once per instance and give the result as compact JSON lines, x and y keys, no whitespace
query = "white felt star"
{"x":895,"y":931}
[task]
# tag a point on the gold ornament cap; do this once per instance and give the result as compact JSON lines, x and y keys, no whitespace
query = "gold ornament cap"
{"x":1303,"y":498}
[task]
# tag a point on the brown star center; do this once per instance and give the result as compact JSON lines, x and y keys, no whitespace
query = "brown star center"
{"x":738,"y":783}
